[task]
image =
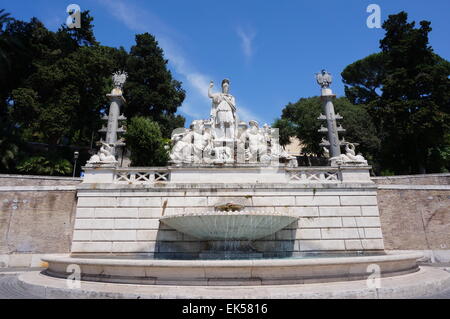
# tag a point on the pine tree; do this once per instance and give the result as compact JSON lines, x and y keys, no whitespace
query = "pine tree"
{"x":151,"y":90}
{"x":407,"y":90}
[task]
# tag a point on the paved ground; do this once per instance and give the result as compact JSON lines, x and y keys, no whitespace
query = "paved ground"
{"x":445,"y":295}
{"x":11,"y":289}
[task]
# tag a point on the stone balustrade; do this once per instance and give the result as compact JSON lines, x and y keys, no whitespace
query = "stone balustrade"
{"x":231,"y":174}
{"x":138,"y":176}
{"x":314,"y":175}
{"x":142,"y":176}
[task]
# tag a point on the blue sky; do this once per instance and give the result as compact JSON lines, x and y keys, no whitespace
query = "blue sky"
{"x":269,"y":49}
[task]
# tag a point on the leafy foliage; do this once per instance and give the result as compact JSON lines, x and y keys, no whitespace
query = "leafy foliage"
{"x":300,"y":119}
{"x":6,"y":43}
{"x":53,"y":87}
{"x":363,"y":79}
{"x":406,"y":88}
{"x":150,"y":90}
{"x":146,"y":143}
{"x":41,"y":165}
{"x":9,"y":146}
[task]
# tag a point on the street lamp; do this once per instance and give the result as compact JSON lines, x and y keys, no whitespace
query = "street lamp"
{"x":75,"y":156}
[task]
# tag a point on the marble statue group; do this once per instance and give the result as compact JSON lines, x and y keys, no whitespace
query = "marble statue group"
{"x":223,"y":139}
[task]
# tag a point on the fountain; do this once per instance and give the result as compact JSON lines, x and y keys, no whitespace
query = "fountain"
{"x":232,"y":208}
{"x":229,"y":232}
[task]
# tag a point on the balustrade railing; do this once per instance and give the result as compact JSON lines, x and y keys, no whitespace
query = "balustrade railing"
{"x":141,"y":176}
{"x":306,"y":175}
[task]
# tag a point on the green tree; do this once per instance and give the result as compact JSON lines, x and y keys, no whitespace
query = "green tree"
{"x":6,"y":43}
{"x":55,"y":90}
{"x":286,"y":127}
{"x":151,"y":90}
{"x":406,"y":88}
{"x":12,"y":59}
{"x":300,"y":120}
{"x":10,"y":144}
{"x":60,"y":98}
{"x":146,"y":143}
{"x":45,"y":165}
{"x":363,"y":79}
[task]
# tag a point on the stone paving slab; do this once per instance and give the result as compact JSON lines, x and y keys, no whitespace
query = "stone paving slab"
{"x":17,"y":270}
{"x":427,"y":282}
{"x":11,"y":289}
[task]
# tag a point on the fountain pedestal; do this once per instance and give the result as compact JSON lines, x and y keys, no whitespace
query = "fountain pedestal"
{"x":256,"y":272}
{"x":127,"y":211}
{"x":229,"y":234}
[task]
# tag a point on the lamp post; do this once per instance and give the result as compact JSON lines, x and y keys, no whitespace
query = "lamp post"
{"x":75,"y":156}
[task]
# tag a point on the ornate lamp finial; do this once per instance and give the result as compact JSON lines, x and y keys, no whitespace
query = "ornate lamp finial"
{"x":119,"y":78}
{"x":324,"y":79}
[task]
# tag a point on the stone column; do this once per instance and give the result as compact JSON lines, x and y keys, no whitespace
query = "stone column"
{"x":324,"y":79}
{"x":113,"y":122}
{"x":113,"y":119}
{"x":332,"y":129}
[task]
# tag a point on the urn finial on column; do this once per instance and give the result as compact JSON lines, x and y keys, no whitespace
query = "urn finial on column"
{"x":119,"y":78}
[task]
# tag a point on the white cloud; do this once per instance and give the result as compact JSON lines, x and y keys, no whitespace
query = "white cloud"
{"x":246,"y":115}
{"x":187,"y":109}
{"x":197,"y":103}
{"x":247,"y":37}
{"x":141,"y":20}
{"x":135,"y":18}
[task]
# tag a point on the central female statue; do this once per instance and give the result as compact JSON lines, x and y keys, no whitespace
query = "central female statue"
{"x":223,"y":112}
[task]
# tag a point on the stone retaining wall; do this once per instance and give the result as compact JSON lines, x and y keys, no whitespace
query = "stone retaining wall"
{"x":415,"y":213}
{"x":22,"y":180}
{"x":37,"y":216}
{"x":415,"y":219}
{"x":428,"y":179}
{"x":127,"y":221}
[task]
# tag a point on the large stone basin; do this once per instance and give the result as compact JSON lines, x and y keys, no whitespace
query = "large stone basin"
{"x":229,"y":226}
{"x":253,"y":272}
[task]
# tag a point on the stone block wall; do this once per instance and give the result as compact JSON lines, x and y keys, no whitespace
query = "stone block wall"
{"x":123,"y":221}
{"x":415,"y":219}
{"x":29,"y":180}
{"x":428,"y":179}
{"x":415,"y":213}
{"x":36,"y":218}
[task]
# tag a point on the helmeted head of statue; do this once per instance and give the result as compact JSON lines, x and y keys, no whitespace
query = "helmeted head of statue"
{"x":226,"y":86}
